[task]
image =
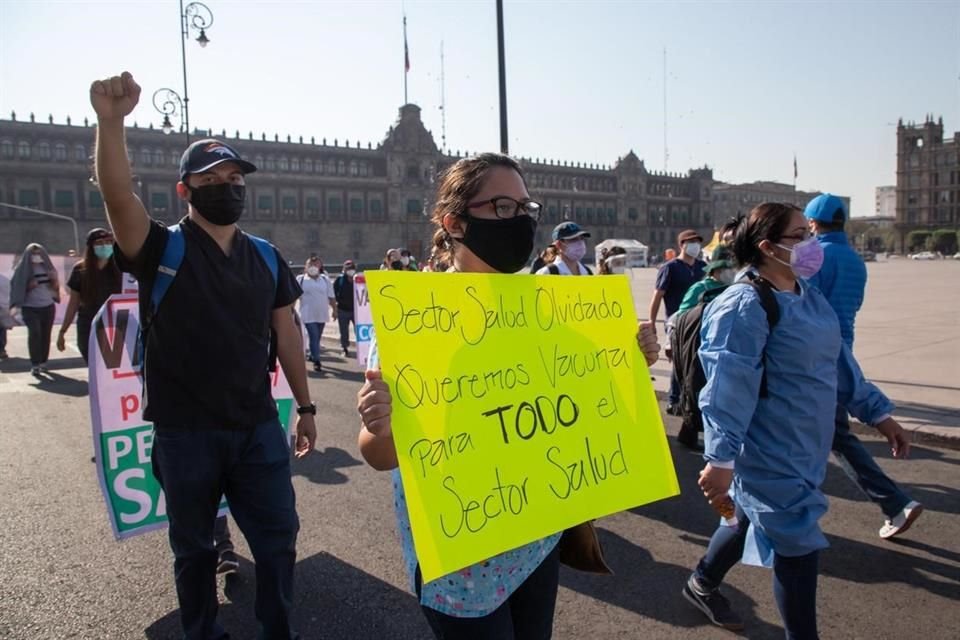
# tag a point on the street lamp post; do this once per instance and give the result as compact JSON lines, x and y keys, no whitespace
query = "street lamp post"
{"x":196,"y":16}
{"x":168,"y":102}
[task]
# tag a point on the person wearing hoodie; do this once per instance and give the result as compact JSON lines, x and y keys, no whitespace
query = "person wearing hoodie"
{"x":842,"y":280}
{"x":35,"y":289}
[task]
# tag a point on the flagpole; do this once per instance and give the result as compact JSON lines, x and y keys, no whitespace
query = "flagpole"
{"x":406,"y":60}
{"x":504,"y":140}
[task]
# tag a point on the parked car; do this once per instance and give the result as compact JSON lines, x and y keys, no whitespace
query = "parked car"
{"x":925,"y":255}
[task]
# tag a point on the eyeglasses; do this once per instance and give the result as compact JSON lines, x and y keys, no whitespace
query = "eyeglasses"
{"x":506,"y":207}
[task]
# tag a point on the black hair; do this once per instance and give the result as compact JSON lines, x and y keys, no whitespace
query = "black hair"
{"x":836,"y":223}
{"x":766,"y":221}
{"x":731,"y":225}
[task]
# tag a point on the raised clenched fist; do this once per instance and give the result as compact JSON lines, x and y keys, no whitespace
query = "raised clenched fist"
{"x":114,"y":97}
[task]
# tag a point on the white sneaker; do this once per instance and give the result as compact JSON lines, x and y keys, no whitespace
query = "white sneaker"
{"x":902,"y":521}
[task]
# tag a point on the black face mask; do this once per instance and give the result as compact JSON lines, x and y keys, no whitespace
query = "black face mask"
{"x":220,"y":204}
{"x":396,"y":265}
{"x":504,"y":244}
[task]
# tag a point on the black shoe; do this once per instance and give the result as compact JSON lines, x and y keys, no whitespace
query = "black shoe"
{"x":229,"y":563}
{"x":317,"y":367}
{"x":346,"y":352}
{"x":713,"y":605}
{"x":674,"y":410}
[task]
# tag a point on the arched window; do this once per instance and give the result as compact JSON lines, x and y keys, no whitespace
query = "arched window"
{"x":146,"y":156}
{"x":294,"y":164}
{"x":307,"y":165}
{"x":283,"y":164}
{"x":79,"y":153}
{"x":175,"y":158}
{"x":353,"y":168}
{"x":6,"y":148}
{"x":158,"y":157}
{"x":43,"y":151}
{"x":332,"y":167}
{"x":23,"y":149}
{"x":271,"y":163}
{"x":60,"y":152}
{"x":342,"y":168}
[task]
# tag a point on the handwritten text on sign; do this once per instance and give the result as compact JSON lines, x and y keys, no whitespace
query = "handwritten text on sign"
{"x":521,"y":406}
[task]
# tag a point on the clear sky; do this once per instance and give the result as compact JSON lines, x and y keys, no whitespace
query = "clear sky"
{"x":748,"y":83}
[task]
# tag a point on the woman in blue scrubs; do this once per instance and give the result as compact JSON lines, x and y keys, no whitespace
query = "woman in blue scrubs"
{"x":768,"y":450}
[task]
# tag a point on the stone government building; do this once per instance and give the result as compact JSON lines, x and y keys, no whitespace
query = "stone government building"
{"x":343,"y":200}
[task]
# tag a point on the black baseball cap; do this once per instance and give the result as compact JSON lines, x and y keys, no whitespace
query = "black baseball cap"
{"x":203,"y":155}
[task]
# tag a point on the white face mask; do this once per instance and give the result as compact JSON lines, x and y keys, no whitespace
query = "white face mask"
{"x":313,"y":272}
{"x":725,"y":276}
{"x":692,"y":249}
{"x":574,"y":250}
{"x":350,"y":272}
{"x":405,"y":260}
{"x":35,"y":259}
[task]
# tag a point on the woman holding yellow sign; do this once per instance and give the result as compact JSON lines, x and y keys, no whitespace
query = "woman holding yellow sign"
{"x":485,"y":223}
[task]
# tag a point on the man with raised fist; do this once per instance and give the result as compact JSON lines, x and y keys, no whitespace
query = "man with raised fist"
{"x":226,"y":307}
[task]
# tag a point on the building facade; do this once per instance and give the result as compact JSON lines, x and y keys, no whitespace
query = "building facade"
{"x":338,"y":199}
{"x":732,"y":200}
{"x":886,"y":202}
{"x":928,"y":179}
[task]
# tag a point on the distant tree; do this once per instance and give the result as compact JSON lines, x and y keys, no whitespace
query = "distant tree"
{"x":944,"y":241}
{"x":917,"y":240}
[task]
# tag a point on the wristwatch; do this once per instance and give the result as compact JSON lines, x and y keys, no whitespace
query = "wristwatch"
{"x":307,"y":408}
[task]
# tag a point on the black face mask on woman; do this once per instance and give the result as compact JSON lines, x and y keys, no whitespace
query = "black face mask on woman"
{"x":504,"y":243}
{"x":219,"y":204}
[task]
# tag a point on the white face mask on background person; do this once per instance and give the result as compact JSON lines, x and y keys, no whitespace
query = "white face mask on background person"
{"x":350,"y":272}
{"x":405,"y":260}
{"x":313,"y":272}
{"x":725,"y":276}
{"x":692,"y":249}
{"x":574,"y":250}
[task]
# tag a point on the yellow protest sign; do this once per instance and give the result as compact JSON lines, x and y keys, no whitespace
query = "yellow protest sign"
{"x":521,"y":406}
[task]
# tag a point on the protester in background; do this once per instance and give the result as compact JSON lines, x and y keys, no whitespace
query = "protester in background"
{"x":545,"y":257}
{"x":35,"y":289}
{"x":92,"y":280}
{"x":206,"y":368}
{"x":842,"y":280}
{"x":6,"y":319}
{"x":315,"y":304}
{"x":485,"y":223}
{"x":769,"y":449}
{"x":343,"y":293}
{"x":673,"y":279}
{"x":392,"y":261}
{"x":610,"y":259}
{"x":720,"y":273}
{"x":571,"y":245}
{"x":408,"y":260}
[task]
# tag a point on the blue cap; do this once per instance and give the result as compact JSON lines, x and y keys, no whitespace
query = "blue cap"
{"x":824,"y":207}
{"x":569,"y":231}
{"x":203,"y":155}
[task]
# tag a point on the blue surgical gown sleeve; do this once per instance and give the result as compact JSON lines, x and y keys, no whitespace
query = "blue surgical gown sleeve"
{"x":732,"y":339}
{"x":861,"y":398}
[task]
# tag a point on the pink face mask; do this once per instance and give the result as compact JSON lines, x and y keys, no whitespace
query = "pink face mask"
{"x":806,"y":258}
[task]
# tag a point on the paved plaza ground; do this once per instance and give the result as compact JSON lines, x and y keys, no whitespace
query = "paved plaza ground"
{"x":63,"y":576}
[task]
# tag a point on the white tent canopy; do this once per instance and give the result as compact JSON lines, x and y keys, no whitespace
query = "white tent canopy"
{"x":635,"y":251}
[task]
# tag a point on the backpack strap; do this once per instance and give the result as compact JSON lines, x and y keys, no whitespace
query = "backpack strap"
{"x":268,"y":253}
{"x":768,"y":300}
{"x":589,"y":271}
{"x":170,"y":262}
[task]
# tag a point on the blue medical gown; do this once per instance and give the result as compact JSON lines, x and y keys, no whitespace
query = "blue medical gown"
{"x":779,"y":443}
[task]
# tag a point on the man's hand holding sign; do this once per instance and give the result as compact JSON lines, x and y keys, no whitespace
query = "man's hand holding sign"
{"x":518,"y":407}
